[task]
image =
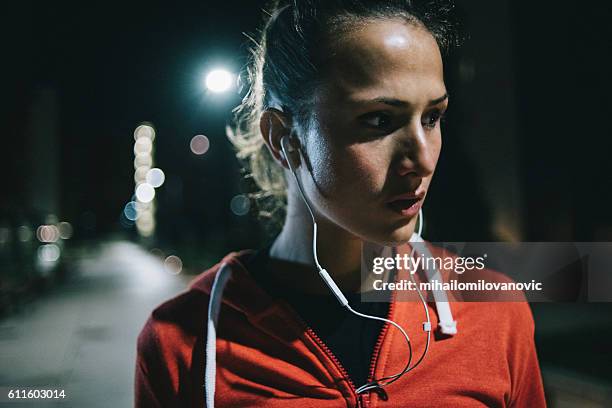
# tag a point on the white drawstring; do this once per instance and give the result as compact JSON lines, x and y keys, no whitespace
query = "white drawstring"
{"x":214,"y":307}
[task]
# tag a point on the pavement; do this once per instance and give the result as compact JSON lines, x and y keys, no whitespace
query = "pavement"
{"x":81,"y":335}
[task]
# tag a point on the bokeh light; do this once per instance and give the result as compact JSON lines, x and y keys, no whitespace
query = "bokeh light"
{"x":144,"y":131}
{"x":130,"y":211}
{"x":145,"y":192}
{"x":219,"y":80}
{"x":48,"y":253}
{"x":47,"y":233}
{"x":143,"y":160}
{"x":155,"y":177}
{"x":145,"y":216}
{"x":145,"y":224}
{"x":199,"y":144}
{"x":173,"y":264}
{"x":140,"y":175}
{"x":65,"y":230}
{"x":143,"y":146}
{"x":240,"y":204}
{"x":141,"y":209}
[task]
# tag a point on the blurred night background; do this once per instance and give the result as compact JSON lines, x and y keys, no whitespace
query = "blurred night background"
{"x":96,"y":95}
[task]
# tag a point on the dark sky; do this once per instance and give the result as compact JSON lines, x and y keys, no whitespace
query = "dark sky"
{"x":116,"y":65}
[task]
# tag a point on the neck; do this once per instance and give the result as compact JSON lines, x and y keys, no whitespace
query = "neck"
{"x":292,"y":257}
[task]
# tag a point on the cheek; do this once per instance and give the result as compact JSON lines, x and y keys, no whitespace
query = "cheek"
{"x":355,"y":170}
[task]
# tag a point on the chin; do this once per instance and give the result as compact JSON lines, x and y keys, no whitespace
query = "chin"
{"x":396,"y":236}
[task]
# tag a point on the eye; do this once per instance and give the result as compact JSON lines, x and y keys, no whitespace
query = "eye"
{"x":377,"y":120}
{"x":432,"y":118}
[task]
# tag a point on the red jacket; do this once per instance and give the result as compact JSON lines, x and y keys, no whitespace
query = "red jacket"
{"x":266,"y":356}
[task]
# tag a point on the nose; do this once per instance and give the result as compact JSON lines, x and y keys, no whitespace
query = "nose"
{"x":418,"y":151}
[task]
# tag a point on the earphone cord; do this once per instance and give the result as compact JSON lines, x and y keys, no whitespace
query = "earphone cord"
{"x":382,"y":382}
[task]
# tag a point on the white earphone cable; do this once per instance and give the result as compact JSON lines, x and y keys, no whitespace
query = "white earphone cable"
{"x":377,"y":383}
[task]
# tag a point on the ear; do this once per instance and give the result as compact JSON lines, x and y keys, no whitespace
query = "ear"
{"x":274,"y":125}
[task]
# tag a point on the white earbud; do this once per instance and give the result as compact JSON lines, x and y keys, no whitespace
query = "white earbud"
{"x":289,"y":153}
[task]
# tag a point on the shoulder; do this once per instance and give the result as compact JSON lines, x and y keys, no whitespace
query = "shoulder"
{"x":166,"y":341}
{"x":511,"y":318}
{"x":505,"y":307}
{"x":503,"y":327}
{"x":506,"y":312}
{"x":180,"y":313}
{"x":181,"y":319}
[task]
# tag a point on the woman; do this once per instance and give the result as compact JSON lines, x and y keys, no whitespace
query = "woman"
{"x":343,"y":116}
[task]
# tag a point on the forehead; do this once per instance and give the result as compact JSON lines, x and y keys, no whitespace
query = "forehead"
{"x":392,"y":57}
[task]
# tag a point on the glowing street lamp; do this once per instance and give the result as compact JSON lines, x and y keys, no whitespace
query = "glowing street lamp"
{"x":219,"y":80}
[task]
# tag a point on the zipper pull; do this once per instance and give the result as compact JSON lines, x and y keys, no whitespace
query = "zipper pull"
{"x":382,"y":394}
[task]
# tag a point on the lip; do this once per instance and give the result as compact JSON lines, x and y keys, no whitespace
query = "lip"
{"x":407,"y":196}
{"x":408,"y":204}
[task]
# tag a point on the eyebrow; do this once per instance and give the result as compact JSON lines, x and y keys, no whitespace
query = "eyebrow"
{"x":400,"y":103}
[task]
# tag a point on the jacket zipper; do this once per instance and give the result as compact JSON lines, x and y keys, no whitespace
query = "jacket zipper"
{"x":380,"y":340}
{"x":335,"y":360}
{"x":360,"y":401}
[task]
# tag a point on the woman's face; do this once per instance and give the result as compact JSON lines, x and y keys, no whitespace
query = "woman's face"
{"x":374,"y":138}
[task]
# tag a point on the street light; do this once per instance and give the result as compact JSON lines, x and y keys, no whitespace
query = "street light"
{"x":219,"y":80}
